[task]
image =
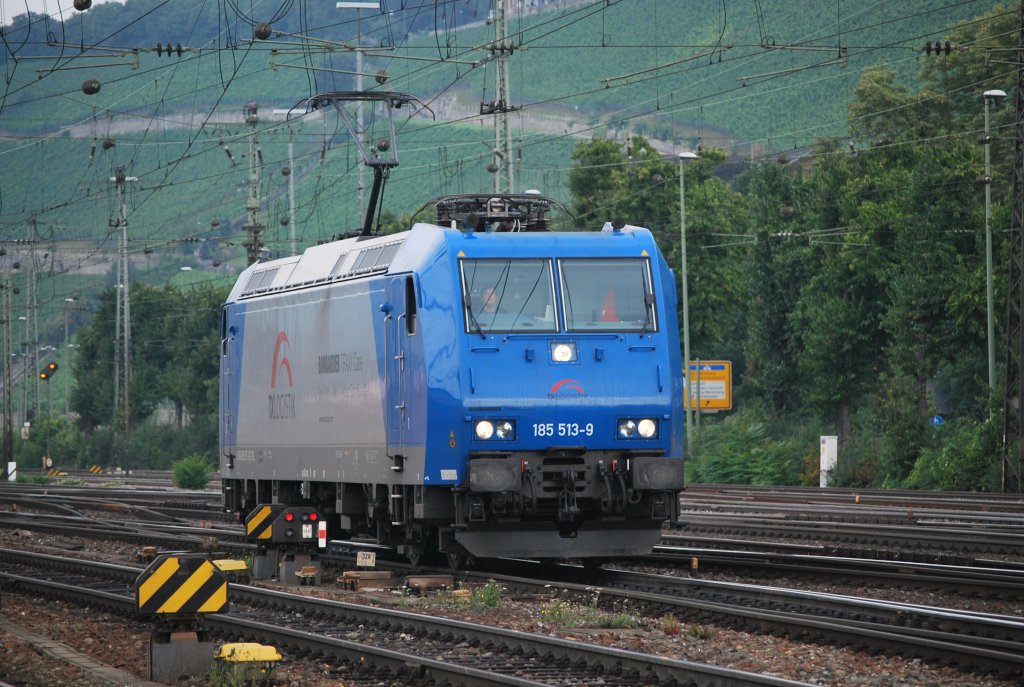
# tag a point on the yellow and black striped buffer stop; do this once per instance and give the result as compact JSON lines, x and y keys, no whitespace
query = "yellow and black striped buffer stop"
{"x":181,"y":584}
{"x":259,"y":524}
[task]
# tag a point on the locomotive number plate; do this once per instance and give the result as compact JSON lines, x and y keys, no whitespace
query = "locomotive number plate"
{"x":563,"y":429}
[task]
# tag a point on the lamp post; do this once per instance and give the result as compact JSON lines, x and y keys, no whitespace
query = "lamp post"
{"x":687,"y":399}
{"x":24,"y":373}
{"x":68,"y":302}
{"x":996,"y":95}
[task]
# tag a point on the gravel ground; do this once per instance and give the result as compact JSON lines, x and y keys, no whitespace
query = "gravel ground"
{"x":122,"y":643}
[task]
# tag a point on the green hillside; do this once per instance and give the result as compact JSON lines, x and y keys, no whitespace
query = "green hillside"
{"x":169,"y":120}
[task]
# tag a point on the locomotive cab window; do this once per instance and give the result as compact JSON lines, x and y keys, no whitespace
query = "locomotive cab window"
{"x":608,"y":295}
{"x":508,"y":295}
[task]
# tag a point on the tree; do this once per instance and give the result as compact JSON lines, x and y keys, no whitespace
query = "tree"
{"x":594,"y":182}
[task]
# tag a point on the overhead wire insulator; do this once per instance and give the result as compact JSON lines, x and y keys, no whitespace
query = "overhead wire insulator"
{"x":262,"y":31}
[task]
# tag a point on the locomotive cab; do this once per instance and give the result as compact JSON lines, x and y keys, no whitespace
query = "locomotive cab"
{"x":569,"y":399}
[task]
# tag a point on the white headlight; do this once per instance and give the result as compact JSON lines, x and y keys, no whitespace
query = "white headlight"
{"x":484,"y":429}
{"x":647,"y":428}
{"x":563,"y":352}
{"x":504,"y":429}
{"x":627,"y":428}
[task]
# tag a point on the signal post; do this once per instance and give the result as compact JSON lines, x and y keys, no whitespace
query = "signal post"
{"x":288,"y":540}
{"x":44,"y":375}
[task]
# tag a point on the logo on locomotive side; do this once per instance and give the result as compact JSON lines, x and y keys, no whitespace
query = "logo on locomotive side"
{"x":567,"y":384}
{"x":281,"y":405}
{"x":281,"y":359}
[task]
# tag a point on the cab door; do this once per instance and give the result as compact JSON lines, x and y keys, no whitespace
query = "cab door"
{"x":231,"y":355}
{"x":399,"y":325}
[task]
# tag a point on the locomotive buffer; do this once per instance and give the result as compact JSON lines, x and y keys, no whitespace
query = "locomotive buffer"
{"x":288,"y":539}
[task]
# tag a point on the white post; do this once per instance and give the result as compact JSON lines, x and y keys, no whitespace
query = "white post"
{"x":12,"y":472}
{"x":829,"y":457}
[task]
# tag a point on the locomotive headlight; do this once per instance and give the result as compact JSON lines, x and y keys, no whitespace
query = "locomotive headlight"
{"x":638,"y":429}
{"x":505,"y":429}
{"x":563,"y":351}
{"x":627,"y":428}
{"x":484,"y":429}
{"x":647,"y":428}
{"x":495,"y":429}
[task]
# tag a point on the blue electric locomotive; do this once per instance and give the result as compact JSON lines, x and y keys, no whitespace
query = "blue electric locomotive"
{"x":494,"y":390}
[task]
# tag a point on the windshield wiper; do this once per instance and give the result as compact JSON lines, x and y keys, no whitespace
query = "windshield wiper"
{"x":648,"y":306}
{"x":474,"y":325}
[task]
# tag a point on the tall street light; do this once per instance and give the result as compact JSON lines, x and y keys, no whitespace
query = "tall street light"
{"x":68,"y":303}
{"x":995,"y":95}
{"x":687,"y":402}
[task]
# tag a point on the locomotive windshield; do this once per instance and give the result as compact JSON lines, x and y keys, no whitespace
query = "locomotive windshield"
{"x":508,"y":296}
{"x":607,"y":295}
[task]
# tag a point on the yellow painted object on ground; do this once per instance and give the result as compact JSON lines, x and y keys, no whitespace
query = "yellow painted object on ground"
{"x":248,"y":652}
{"x":252,"y":663}
{"x":235,"y":570}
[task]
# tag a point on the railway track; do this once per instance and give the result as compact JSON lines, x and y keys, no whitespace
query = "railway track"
{"x":984,"y":642}
{"x":895,"y":498}
{"x":380,"y":642}
{"x":898,"y":526}
{"x":982,"y":578}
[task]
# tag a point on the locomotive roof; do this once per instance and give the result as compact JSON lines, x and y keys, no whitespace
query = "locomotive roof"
{"x":335,"y":261}
{"x":358,"y":257}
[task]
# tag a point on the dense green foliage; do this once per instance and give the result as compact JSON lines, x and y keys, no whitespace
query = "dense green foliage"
{"x":174,"y":359}
{"x":191,"y":472}
{"x":853,"y":289}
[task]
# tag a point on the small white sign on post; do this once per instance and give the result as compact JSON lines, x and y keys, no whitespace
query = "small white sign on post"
{"x":12,"y":472}
{"x":829,"y":458}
